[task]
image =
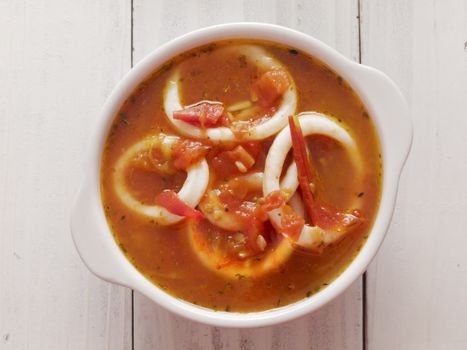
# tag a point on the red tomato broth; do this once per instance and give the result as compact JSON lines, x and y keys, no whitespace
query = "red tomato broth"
{"x":163,"y":253}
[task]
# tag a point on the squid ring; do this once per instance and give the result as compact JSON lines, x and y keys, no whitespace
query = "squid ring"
{"x":214,"y":212}
{"x":312,"y":123}
{"x":191,"y":192}
{"x":274,"y":257}
{"x":277,"y":121}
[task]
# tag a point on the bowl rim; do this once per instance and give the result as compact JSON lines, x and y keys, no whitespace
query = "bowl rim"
{"x":378,"y":93}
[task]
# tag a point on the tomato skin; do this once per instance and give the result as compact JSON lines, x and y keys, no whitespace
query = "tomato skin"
{"x":273,"y":200}
{"x":170,"y":201}
{"x":291,"y":223}
{"x":189,"y":152}
{"x":270,"y":86}
{"x":204,"y":114}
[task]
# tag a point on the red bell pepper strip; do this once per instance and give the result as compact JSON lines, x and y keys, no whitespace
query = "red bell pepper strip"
{"x":305,"y":176}
{"x":325,"y":217}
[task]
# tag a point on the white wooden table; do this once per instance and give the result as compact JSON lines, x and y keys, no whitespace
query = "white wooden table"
{"x":58,"y":62}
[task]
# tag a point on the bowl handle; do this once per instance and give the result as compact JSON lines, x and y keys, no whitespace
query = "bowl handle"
{"x":93,"y":240}
{"x":388,"y":102}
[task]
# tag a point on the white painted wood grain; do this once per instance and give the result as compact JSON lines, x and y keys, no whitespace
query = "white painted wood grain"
{"x":58,"y":62}
{"x":417,"y":287}
{"x":339,"y":325}
{"x":336,"y":326}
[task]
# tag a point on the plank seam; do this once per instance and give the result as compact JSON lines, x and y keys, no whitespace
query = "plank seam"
{"x":359,"y":31}
{"x":364,"y":280}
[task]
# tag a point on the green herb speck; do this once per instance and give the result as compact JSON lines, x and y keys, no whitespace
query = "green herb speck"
{"x":124,"y":118}
{"x":242,"y":61}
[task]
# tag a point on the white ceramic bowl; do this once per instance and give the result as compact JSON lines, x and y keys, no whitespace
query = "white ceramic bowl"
{"x":95,"y":242}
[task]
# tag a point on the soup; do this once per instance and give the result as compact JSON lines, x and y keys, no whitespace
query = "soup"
{"x":241,"y":176}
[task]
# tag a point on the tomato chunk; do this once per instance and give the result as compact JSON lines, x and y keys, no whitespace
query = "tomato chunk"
{"x":270,"y":86}
{"x":291,"y":223}
{"x":170,"y":201}
{"x":273,"y":200}
{"x":189,"y":152}
{"x":204,"y":114}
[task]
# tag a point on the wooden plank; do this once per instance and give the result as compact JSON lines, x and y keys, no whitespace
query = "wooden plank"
{"x":337,"y":326}
{"x":58,"y":62}
{"x":417,"y":284}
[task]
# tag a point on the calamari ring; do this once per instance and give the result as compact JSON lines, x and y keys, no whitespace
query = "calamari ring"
{"x":214,"y":210}
{"x":191,"y":192}
{"x":276,"y":122}
{"x":274,"y":256}
{"x":250,"y":267}
{"x":317,"y":124}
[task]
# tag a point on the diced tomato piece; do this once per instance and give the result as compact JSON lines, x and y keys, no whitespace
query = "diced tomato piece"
{"x":252,"y":222}
{"x":291,"y":223}
{"x":170,"y":201}
{"x":224,"y":121}
{"x":230,"y":198}
{"x":189,"y":152}
{"x":249,"y":215}
{"x":270,"y":86}
{"x":204,"y":114}
{"x":273,"y":200}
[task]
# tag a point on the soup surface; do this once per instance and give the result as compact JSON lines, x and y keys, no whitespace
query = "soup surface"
{"x":241,"y":176}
